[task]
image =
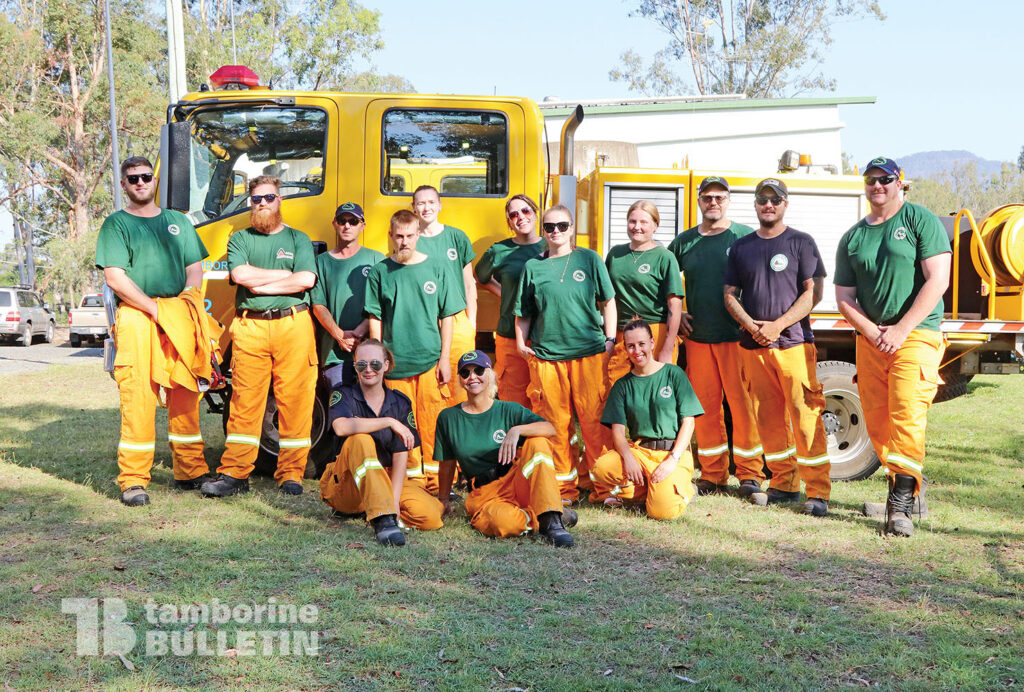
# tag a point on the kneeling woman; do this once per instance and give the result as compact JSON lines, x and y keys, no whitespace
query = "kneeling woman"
{"x":513,"y":491}
{"x":654,"y":405}
{"x":378,"y":434}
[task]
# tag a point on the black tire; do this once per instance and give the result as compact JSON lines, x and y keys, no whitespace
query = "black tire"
{"x":75,"y":340}
{"x":955,"y":383}
{"x":849,"y":446}
{"x":50,"y":326}
{"x":26,"y":335}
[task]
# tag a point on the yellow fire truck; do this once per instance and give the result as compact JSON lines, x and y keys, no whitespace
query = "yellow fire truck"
{"x":375,"y":149}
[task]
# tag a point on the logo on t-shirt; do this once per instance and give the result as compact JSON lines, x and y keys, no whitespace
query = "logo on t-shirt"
{"x":779,"y":262}
{"x":665,"y":392}
{"x":579,"y":275}
{"x":335,"y":398}
{"x":430,"y":288}
{"x":900,"y":233}
{"x":644,"y":269}
{"x":284,"y":254}
{"x":411,"y":419}
{"x":498,"y":436}
{"x":452,"y":254}
{"x":366,"y":270}
{"x":173,"y":229}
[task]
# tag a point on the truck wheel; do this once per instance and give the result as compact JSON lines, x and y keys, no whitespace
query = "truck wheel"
{"x":75,"y":340}
{"x":26,"y":335}
{"x":849,"y":447}
{"x":266,"y":459}
{"x":49,"y":332}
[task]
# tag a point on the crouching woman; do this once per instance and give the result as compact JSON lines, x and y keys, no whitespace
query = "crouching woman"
{"x":512,"y":489}
{"x":651,"y":412}
{"x":378,"y":433}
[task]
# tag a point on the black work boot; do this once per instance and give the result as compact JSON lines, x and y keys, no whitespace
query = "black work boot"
{"x":223,"y":486}
{"x":386,"y":530}
{"x":193,"y":483}
{"x":782,"y":497}
{"x":552,"y":531}
{"x":135,"y":496}
{"x":751,"y":489}
{"x":291,"y":488}
{"x":900,"y":505}
{"x":708,"y":487}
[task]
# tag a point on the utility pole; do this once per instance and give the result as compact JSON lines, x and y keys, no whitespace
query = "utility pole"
{"x":175,"y":51}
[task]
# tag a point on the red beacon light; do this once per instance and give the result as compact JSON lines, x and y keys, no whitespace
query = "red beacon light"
{"x":234,"y":77}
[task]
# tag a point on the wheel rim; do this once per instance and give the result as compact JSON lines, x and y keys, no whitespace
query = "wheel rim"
{"x":845,"y":428}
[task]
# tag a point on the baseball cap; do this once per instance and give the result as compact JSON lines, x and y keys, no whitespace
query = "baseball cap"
{"x":712,"y":180}
{"x":474,"y":358}
{"x":886,"y":164}
{"x":351,"y":208}
{"x":773,"y":184}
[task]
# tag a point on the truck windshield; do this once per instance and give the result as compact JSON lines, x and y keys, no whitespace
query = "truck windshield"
{"x":232,"y":145}
{"x":461,"y":152}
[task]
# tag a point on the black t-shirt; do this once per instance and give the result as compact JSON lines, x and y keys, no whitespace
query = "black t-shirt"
{"x":770,"y":273}
{"x":348,"y":402}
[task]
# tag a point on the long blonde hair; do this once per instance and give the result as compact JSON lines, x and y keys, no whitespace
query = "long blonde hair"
{"x":647,"y":206}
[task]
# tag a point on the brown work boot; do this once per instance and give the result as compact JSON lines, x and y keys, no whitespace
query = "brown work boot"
{"x":135,"y":496}
{"x":900,"y":505}
{"x":709,"y":487}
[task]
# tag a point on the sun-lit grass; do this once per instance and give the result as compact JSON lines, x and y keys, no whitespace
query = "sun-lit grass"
{"x":730,"y":596}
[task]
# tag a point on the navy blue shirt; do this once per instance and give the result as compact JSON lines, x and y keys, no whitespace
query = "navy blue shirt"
{"x":348,"y":402}
{"x":770,"y":273}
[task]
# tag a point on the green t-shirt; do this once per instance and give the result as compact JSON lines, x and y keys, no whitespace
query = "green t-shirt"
{"x":341,"y":288}
{"x":287,"y":249}
{"x":409,"y":299}
{"x":652,"y":406}
{"x":702,"y":259}
{"x":559,"y":295}
{"x":452,"y":251}
{"x":883,"y":262}
{"x":643,"y":282}
{"x":473,"y":439}
{"x":504,"y":261}
{"x":153,"y":252}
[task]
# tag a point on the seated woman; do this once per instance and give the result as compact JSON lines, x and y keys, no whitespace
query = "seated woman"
{"x":654,"y":405}
{"x":378,"y":433}
{"x":512,"y":491}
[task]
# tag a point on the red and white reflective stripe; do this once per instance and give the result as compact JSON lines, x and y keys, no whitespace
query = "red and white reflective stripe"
{"x":953,"y":326}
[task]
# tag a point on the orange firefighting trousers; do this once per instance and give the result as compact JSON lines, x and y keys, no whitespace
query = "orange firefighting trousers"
{"x":781,"y":381}
{"x":428,"y":400}
{"x":357,"y":482}
{"x":896,"y":391}
{"x":512,"y":370}
{"x":714,"y":369}
{"x":665,"y":500}
{"x":281,"y":352}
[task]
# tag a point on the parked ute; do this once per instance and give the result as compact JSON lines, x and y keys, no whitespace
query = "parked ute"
{"x":24,"y":315}
{"x":88,"y":322}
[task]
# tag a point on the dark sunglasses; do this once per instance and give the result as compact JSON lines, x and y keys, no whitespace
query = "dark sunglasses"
{"x":375,"y":365}
{"x":347,"y":221}
{"x":471,"y":370}
{"x":561,"y":226}
{"x":776,"y":201}
{"x":524,"y":212}
{"x":134,"y":178}
{"x":708,"y":199}
{"x":270,"y":197}
{"x":870,"y":180}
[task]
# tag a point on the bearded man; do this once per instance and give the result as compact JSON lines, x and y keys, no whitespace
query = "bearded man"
{"x":272,"y":341}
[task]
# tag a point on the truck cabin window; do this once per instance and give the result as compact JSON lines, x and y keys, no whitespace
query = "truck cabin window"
{"x":230,"y":146}
{"x":460,"y":152}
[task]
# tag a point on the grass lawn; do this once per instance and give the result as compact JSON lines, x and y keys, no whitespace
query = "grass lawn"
{"x":730,"y":596}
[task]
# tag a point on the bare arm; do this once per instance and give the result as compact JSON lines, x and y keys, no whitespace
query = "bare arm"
{"x":249,"y":276}
{"x":679,"y":448}
{"x":493,"y":286}
{"x":936,"y":280}
{"x":375,"y":331}
{"x":610,"y":315}
{"x":470,"y":283}
{"x":445,"y":476}
{"x":675,"y":309}
{"x":194,"y":275}
{"x":128,"y":291}
{"x":293,"y":283}
{"x":735,"y":308}
{"x":399,"y":462}
{"x":444,"y":363}
{"x":768,"y":330}
{"x":846,"y":300}
{"x":346,"y":339}
{"x":507,"y":451}
{"x":630,"y":466}
{"x":522,"y":331}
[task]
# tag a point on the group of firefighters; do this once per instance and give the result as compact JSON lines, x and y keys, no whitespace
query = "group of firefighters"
{"x":580,"y":341}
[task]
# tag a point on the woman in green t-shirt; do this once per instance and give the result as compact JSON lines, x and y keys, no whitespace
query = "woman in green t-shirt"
{"x":645,"y":276}
{"x":651,"y":413}
{"x":512,"y":490}
{"x":565,"y":328}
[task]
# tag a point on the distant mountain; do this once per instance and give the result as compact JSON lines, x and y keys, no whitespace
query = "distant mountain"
{"x":927,"y":164}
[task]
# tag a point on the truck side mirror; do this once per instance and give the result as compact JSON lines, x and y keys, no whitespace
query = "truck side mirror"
{"x":175,"y":165}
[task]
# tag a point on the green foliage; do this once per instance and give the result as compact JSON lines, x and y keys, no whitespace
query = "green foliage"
{"x":963,"y":187}
{"x":760,"y":48}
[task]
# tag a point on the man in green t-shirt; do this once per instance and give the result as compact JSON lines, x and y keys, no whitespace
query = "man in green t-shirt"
{"x":712,"y":347}
{"x":340,"y":293}
{"x":892,"y":268}
{"x":148,"y":253}
{"x":272,"y":340}
{"x":450,"y":248}
{"x":411,"y":309}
